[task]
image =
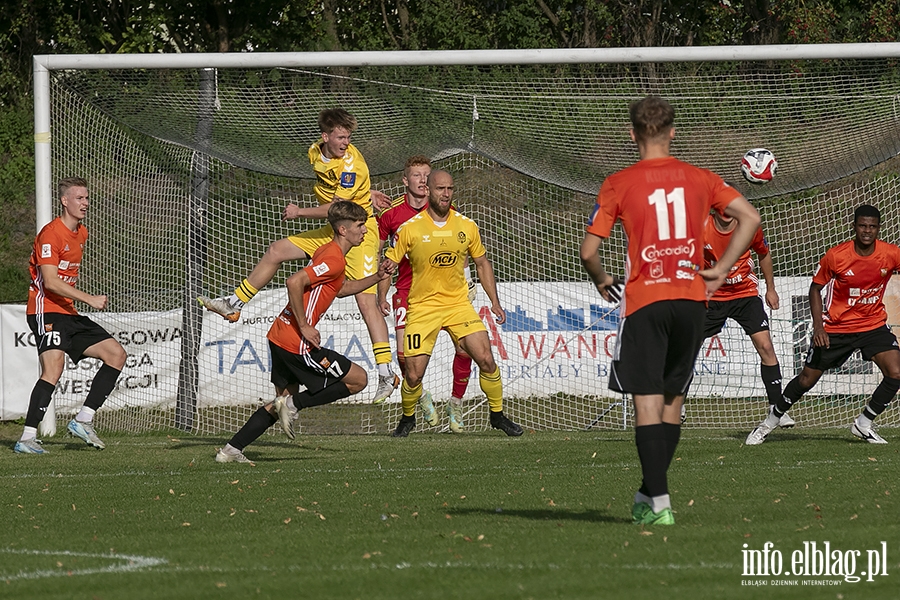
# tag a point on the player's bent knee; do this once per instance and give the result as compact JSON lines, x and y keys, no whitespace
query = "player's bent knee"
{"x":281,"y":251}
{"x":110,"y":352}
{"x":356,"y":379}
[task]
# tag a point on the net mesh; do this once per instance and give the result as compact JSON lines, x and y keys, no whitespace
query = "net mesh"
{"x":178,"y":207}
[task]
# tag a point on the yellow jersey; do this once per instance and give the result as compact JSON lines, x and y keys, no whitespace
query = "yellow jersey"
{"x":346,"y":178}
{"x":437,"y":254}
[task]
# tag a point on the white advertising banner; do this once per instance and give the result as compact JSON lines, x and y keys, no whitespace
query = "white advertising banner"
{"x":558,"y":338}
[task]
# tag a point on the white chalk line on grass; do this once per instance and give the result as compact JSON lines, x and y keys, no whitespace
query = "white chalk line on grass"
{"x":132,"y":563}
{"x":431,"y":566}
{"x":548,"y":468}
{"x":129,"y":563}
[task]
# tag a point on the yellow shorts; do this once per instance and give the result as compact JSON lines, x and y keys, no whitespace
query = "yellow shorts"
{"x":424,"y":324}
{"x":362,"y":260}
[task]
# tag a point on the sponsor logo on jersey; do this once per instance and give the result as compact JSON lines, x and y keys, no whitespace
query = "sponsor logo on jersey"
{"x":63,"y":265}
{"x":426,"y":238}
{"x":849,"y":273}
{"x":651,"y":253}
{"x":443,"y":260}
{"x":320,"y":269}
{"x":46,"y":252}
{"x":348,"y":180}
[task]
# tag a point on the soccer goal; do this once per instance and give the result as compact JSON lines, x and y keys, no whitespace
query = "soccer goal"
{"x":191,"y":159}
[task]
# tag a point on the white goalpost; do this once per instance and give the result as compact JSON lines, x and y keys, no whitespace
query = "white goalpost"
{"x":191,"y":157}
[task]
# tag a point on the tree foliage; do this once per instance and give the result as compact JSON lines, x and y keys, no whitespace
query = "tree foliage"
{"x":30,"y":27}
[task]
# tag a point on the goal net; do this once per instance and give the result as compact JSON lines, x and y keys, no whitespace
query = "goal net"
{"x":189,"y":171}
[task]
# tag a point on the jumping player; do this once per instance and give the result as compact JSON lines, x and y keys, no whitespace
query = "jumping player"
{"x":342,"y":174}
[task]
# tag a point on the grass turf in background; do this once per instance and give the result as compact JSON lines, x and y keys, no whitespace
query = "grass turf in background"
{"x":436,"y":516}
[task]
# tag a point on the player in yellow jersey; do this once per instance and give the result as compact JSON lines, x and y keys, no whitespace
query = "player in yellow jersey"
{"x":341,"y":175}
{"x":436,"y":242}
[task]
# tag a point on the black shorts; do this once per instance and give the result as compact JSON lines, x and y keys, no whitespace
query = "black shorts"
{"x":842,"y":345}
{"x":316,"y":370}
{"x":73,"y":334}
{"x":748,"y":312}
{"x":656,"y":348}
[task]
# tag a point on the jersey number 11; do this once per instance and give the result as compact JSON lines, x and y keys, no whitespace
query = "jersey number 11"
{"x":660,"y":200}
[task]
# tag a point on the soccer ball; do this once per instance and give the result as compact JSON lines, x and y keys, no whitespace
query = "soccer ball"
{"x":758,"y":165}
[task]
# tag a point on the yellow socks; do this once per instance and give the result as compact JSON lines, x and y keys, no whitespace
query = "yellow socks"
{"x":409,"y":397}
{"x":245,"y":291}
{"x":492,"y":387}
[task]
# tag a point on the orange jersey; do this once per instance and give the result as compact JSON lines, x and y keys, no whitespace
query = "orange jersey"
{"x":326,"y":276}
{"x":61,"y":247}
{"x":662,"y":204}
{"x":854,"y":286}
{"x":741,"y":281}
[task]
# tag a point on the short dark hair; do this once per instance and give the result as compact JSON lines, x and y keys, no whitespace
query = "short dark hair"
{"x":866,"y":210}
{"x":332,"y":118}
{"x":344,"y":210}
{"x":651,"y":117}
{"x":69,"y":182}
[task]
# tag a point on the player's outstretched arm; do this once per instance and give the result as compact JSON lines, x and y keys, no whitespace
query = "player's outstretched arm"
{"x":820,"y":337}
{"x":768,"y":271}
{"x":747,"y":223}
{"x":351,"y":287}
{"x":380,"y":201}
{"x":383,"y":286}
{"x":297,"y":284}
{"x":489,"y":284}
{"x":58,"y":287}
{"x":292,"y":211}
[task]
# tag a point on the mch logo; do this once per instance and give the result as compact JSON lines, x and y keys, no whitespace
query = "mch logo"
{"x":443,"y":260}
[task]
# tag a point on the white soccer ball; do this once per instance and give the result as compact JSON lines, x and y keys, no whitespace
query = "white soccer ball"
{"x":759,"y":165}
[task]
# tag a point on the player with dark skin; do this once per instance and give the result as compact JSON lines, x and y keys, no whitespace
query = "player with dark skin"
{"x":849,"y":316}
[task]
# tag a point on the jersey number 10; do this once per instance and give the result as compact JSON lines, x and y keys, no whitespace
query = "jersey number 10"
{"x":660,"y":200}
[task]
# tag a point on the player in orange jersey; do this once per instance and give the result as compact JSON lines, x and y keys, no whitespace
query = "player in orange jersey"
{"x":298,"y":359}
{"x":662,"y":204}
{"x":410,"y":204}
{"x":738,"y":299}
{"x":58,"y":328}
{"x":341,"y":174}
{"x":853,"y":276}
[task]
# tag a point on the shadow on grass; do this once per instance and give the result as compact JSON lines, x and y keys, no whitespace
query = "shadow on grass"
{"x":543,"y":514}
{"x":794,"y":435}
{"x":297,"y":451}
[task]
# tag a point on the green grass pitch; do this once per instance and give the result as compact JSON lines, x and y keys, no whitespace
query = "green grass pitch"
{"x":481,"y":515}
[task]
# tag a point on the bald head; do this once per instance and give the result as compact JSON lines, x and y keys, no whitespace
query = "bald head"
{"x":440,"y":193}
